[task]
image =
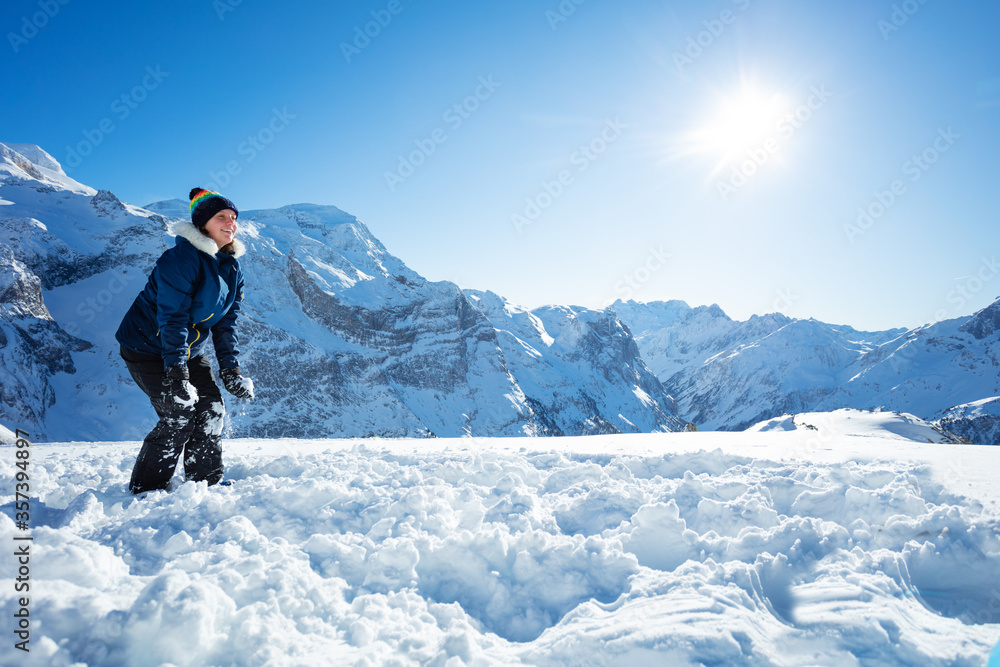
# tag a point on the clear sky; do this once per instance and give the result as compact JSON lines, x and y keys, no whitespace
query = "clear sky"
{"x":836,"y":160}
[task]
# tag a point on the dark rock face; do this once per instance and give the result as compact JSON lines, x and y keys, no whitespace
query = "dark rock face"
{"x":107,"y":205}
{"x":985,"y":323}
{"x":979,"y":422}
{"x":33,"y":348}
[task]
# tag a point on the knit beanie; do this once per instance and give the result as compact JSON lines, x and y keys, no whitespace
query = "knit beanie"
{"x":205,"y":204}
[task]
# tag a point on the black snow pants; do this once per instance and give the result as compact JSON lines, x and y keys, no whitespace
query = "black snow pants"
{"x":193,"y":431}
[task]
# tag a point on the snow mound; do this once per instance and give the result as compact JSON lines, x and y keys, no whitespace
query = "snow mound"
{"x":613,"y":550}
{"x":851,"y":423}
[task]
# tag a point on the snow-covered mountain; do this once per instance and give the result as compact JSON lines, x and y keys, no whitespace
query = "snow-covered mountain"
{"x":555,"y":349}
{"x":728,"y":375}
{"x":340,"y":336}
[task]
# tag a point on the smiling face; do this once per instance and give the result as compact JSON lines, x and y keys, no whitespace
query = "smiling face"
{"x":222,"y":227}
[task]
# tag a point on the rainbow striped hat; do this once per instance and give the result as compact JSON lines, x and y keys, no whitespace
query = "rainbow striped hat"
{"x":206,"y":203}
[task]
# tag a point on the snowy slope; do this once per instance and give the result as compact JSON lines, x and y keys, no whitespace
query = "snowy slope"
{"x":850,"y":423}
{"x":340,"y":336}
{"x":843,"y":546}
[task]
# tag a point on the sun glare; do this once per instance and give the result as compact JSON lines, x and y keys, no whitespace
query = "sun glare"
{"x":742,"y":121}
{"x":734,"y":124}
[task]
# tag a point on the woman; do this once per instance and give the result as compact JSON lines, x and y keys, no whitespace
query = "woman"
{"x":195,"y":289}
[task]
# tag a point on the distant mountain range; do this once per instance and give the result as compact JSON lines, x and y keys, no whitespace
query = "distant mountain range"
{"x":344,"y":340}
{"x":730,"y":375}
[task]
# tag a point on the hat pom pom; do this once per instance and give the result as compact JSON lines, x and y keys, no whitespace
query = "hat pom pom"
{"x":194,"y":193}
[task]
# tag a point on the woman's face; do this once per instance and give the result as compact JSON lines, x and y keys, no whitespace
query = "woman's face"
{"x":222,"y":227}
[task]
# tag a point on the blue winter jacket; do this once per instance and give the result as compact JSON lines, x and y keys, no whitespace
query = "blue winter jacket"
{"x":193,"y":290}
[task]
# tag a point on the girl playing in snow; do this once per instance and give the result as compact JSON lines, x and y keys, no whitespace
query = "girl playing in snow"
{"x":196,"y":288}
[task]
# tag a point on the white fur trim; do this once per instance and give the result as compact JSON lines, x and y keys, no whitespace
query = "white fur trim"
{"x":238,"y":248}
{"x":202,"y":242}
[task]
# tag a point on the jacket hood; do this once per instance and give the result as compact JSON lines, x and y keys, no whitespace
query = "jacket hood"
{"x":201,"y":242}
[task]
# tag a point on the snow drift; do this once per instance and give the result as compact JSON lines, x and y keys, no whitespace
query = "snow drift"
{"x":758,"y":548}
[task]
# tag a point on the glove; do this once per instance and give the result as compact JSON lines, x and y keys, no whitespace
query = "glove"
{"x":176,"y":385}
{"x":236,"y":384}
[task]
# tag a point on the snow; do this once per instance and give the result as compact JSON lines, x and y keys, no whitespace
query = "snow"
{"x":851,"y":423}
{"x":835,"y":545}
{"x":246,"y":384}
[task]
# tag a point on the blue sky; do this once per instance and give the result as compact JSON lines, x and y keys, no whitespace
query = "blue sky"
{"x":822,"y":159}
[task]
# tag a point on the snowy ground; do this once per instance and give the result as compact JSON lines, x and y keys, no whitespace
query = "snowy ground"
{"x":775,"y":547}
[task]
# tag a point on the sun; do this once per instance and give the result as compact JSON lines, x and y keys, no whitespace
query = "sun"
{"x":735,"y":123}
{"x":742,"y":121}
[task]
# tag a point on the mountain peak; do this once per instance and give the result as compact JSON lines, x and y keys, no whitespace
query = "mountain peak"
{"x":984,"y":323}
{"x":714,"y":310}
{"x":31,"y":162}
{"x":107,"y":205}
{"x":38,"y":156}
